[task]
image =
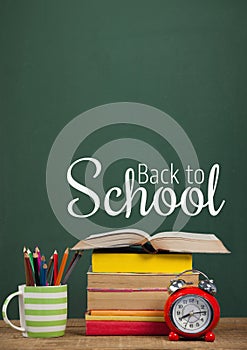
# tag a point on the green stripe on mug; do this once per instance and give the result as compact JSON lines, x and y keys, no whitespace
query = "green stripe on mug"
{"x":45,"y":335}
{"x":46,"y":323}
{"x":45,"y":301}
{"x":47,"y":289}
{"x":45,"y":312}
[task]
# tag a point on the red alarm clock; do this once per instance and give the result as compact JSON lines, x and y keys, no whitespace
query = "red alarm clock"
{"x":192,"y":312}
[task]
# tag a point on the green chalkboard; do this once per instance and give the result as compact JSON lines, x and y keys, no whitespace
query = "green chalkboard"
{"x":60,"y":59}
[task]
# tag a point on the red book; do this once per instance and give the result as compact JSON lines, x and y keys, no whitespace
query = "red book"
{"x":126,"y":328}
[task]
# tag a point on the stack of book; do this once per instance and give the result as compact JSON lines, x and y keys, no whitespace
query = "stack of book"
{"x":127,"y":286}
{"x":127,"y":291}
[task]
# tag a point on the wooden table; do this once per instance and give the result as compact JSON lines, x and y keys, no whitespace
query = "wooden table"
{"x":231,"y":333}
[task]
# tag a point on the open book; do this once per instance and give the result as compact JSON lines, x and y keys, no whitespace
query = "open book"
{"x":169,"y":241}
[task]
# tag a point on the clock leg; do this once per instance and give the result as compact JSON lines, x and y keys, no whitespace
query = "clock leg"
{"x":173,"y":336}
{"x":210,"y":337}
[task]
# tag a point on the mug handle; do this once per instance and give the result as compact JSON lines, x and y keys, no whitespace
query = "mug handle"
{"x":4,"y":311}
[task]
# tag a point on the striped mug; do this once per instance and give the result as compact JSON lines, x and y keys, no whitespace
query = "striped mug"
{"x":42,"y":310}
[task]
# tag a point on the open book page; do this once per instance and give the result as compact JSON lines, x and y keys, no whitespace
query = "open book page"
{"x":170,"y":241}
{"x":113,"y":239}
{"x":188,"y":242}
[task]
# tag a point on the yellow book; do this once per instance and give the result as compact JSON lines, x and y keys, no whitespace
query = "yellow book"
{"x":146,"y":313}
{"x":140,"y":262}
{"x":90,"y":317}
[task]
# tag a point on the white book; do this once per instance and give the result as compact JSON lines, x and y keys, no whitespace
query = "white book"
{"x":166,"y":241}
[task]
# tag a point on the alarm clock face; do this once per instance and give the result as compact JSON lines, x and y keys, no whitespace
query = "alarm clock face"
{"x":191,"y":313}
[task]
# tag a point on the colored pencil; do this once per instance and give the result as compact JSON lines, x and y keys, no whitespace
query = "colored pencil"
{"x":55,"y":266}
{"x":25,"y":265}
{"x":28,"y":270}
{"x":49,"y":265}
{"x":40,"y":273}
{"x":30,"y":258}
{"x":72,"y":266}
{"x":49,"y":273}
{"x":51,"y":276}
{"x":43,"y":270}
{"x":36,"y":268}
{"x":71,"y":262}
{"x":62,"y":267}
{"x":39,"y":257}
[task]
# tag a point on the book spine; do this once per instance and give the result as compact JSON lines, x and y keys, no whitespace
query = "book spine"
{"x":148,"y":313}
{"x":127,"y":290}
{"x":126,"y":328}
{"x":134,"y":280}
{"x":125,"y":318}
{"x":139,"y":300}
{"x":141,"y":263}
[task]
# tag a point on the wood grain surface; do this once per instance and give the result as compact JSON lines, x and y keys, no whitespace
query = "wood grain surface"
{"x":231,"y":333}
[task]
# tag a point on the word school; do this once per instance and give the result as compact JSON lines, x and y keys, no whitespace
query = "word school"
{"x":192,"y":200}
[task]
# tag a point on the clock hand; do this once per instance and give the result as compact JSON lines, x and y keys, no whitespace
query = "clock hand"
{"x":187,"y":321}
{"x":188,"y":314}
{"x":192,"y":313}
